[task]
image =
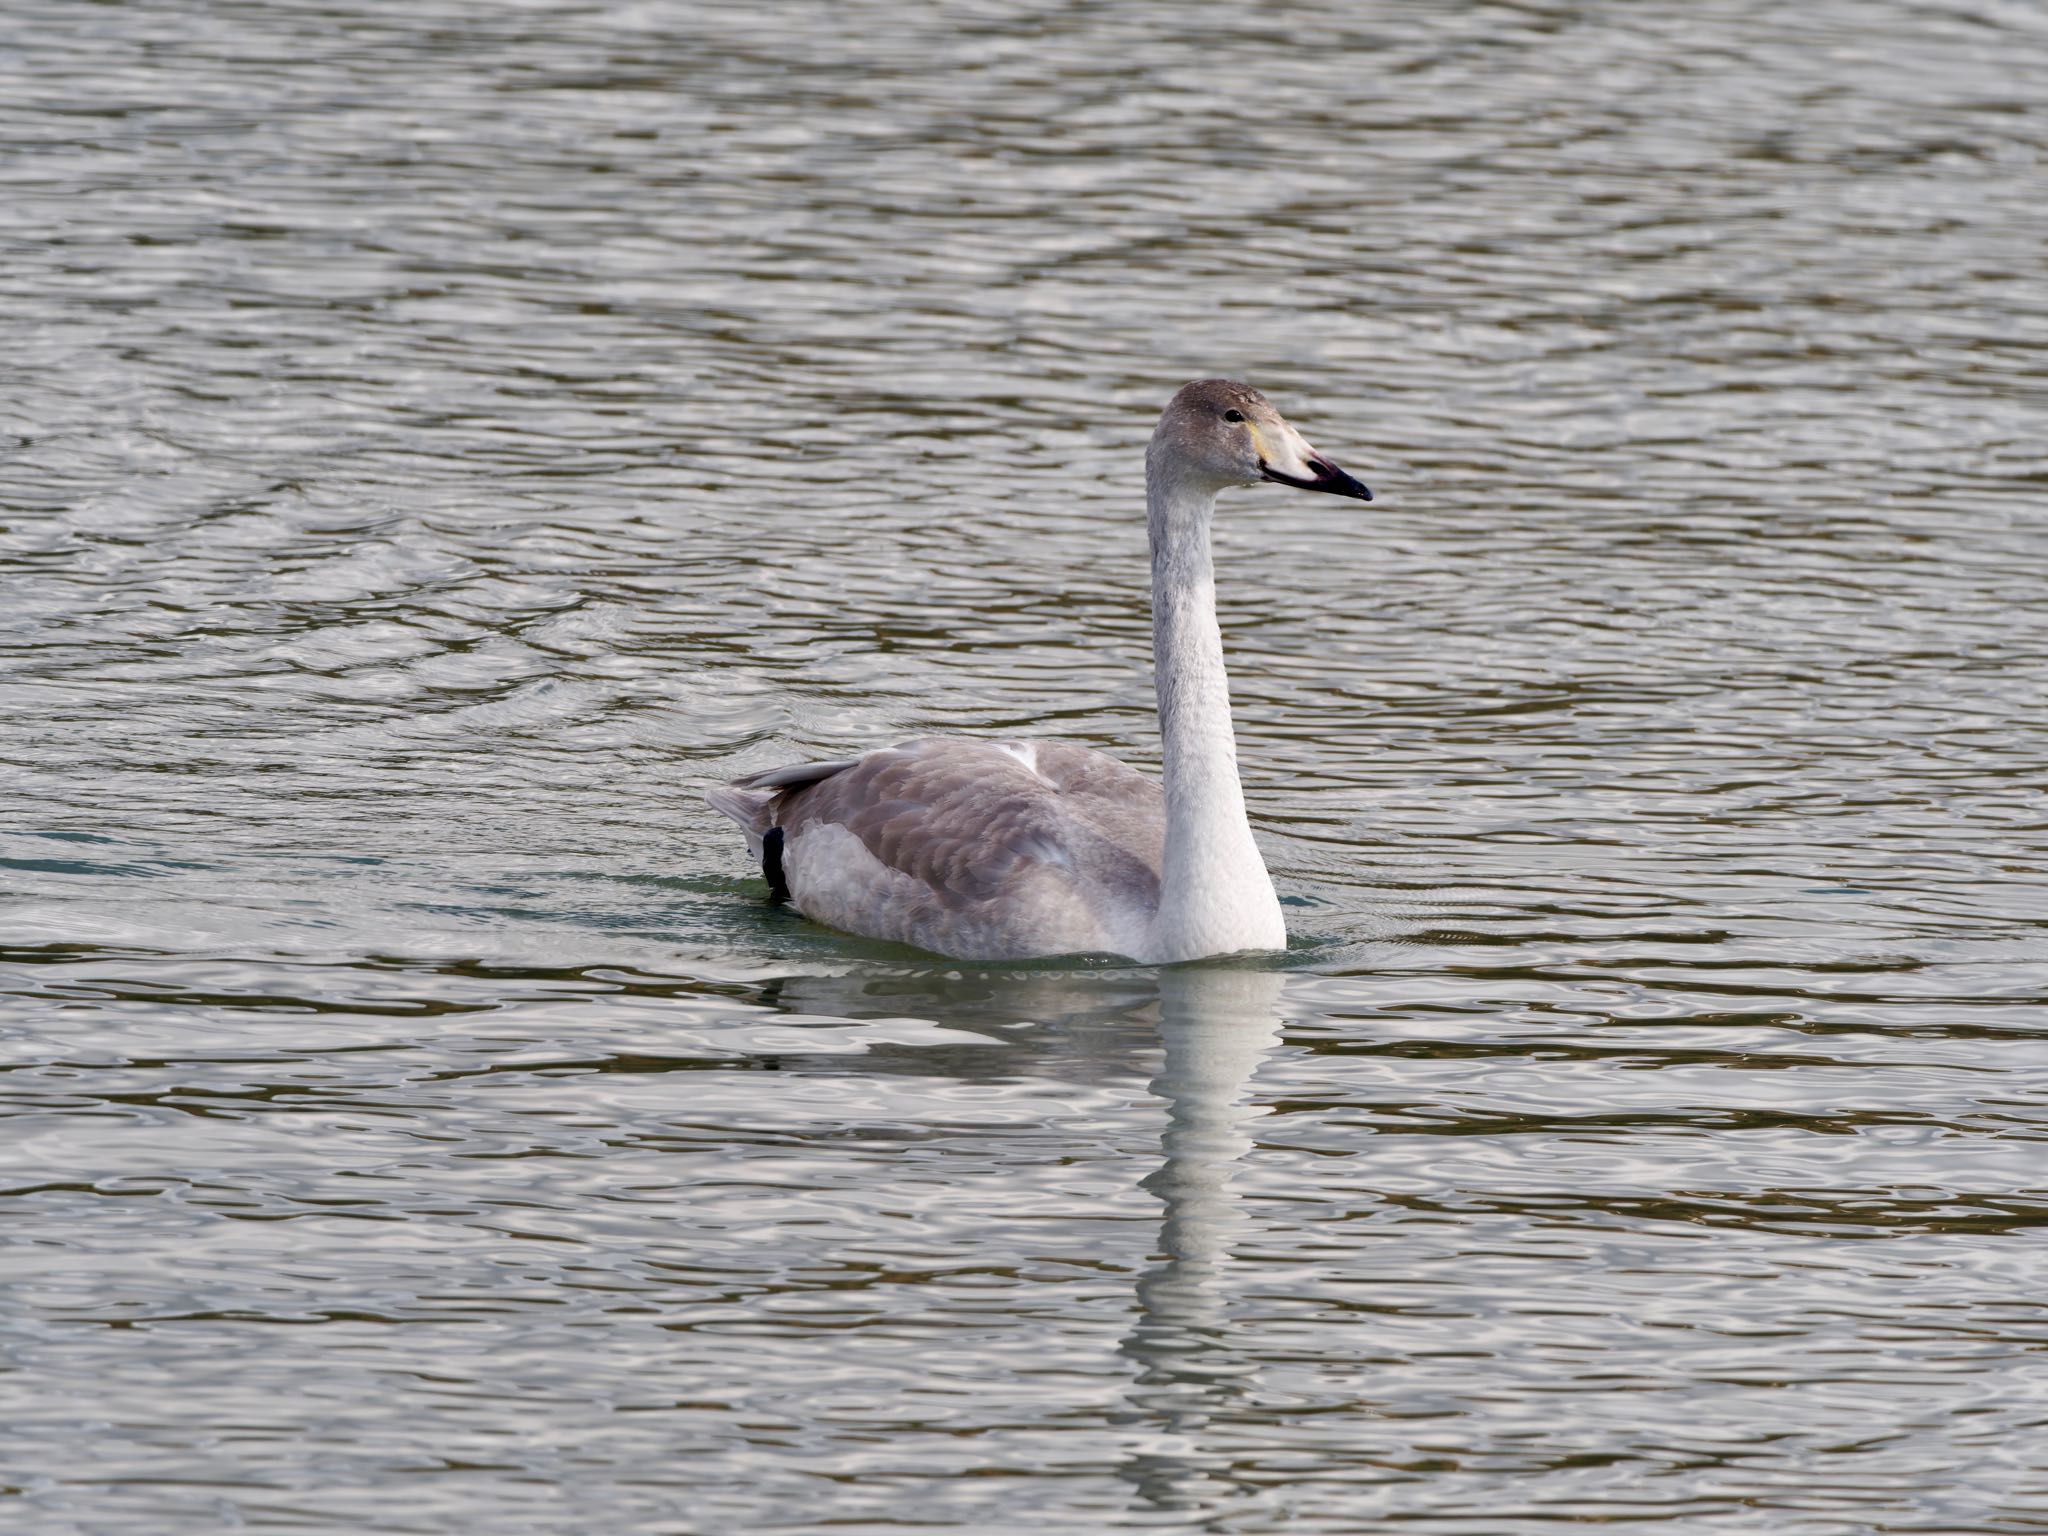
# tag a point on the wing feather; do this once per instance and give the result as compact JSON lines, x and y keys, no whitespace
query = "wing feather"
{"x":974,"y":848}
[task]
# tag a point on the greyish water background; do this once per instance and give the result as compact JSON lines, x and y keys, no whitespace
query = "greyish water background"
{"x":440,"y":437}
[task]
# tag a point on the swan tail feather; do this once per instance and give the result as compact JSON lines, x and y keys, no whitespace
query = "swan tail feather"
{"x":755,"y":800}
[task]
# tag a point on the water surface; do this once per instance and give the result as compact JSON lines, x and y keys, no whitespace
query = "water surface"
{"x":445,"y":437}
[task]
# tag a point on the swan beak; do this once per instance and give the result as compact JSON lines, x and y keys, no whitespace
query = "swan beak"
{"x":1291,"y":461}
{"x":1323,"y":475}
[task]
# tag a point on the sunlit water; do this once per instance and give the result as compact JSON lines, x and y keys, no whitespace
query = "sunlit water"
{"x":441,"y":438}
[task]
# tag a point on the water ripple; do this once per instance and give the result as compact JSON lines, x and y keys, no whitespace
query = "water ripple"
{"x":459,"y":433}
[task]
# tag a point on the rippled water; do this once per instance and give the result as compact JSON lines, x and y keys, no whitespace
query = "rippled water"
{"x":443,"y":437}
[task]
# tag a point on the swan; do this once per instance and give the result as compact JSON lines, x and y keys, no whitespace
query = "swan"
{"x":1015,"y":850}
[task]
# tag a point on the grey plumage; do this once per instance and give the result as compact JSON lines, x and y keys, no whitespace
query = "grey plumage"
{"x":985,"y":850}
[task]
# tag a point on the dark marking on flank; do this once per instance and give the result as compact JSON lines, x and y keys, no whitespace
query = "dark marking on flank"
{"x":771,"y":864}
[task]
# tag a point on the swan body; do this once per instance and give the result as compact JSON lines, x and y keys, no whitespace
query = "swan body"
{"x":1011,"y":850}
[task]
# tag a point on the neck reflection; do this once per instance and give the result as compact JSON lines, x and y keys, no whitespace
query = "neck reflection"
{"x":1217,"y":1025}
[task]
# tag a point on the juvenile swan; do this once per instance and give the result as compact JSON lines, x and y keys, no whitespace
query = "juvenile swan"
{"x":1006,"y":850}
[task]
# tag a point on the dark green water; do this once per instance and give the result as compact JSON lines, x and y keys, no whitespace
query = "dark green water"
{"x":438,"y":439}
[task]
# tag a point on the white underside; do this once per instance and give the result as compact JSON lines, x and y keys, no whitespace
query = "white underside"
{"x":834,"y":878}
{"x":1215,"y":918}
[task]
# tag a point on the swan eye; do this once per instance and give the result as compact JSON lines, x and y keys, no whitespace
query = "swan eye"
{"x":1233,"y":415}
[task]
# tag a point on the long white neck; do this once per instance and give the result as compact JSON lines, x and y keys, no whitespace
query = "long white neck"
{"x":1215,"y":896}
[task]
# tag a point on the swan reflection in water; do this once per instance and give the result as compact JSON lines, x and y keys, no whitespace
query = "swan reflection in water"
{"x":1216,"y":1025}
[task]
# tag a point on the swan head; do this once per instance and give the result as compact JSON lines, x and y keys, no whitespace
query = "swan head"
{"x":1218,"y":432}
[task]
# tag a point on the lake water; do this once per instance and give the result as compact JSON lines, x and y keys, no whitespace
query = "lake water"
{"x":440,"y":439}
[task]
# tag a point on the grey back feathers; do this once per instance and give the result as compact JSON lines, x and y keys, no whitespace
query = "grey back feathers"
{"x":979,"y":849}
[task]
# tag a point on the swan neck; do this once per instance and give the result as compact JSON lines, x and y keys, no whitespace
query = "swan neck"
{"x":1215,"y":895}
{"x":1187,"y":648}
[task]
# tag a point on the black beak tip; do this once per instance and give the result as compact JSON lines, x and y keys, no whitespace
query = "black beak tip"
{"x":1331,"y":478}
{"x":1328,"y":477}
{"x":1334,"y":480}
